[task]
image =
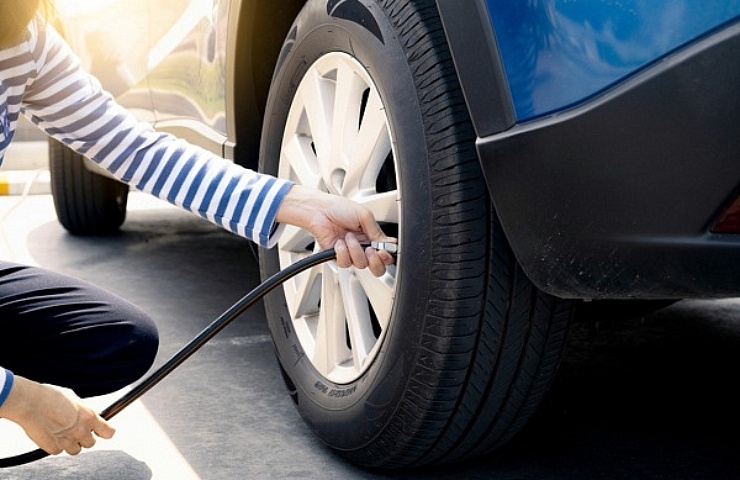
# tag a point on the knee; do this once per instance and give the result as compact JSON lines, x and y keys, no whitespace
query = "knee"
{"x":143,"y":344}
{"x":127,"y":353}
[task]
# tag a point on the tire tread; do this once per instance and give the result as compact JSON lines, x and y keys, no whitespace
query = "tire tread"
{"x":456,"y":407}
{"x":86,"y":203}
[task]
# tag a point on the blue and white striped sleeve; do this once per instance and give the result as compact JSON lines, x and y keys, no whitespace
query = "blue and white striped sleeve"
{"x":71,"y":106}
{"x":6,"y":383}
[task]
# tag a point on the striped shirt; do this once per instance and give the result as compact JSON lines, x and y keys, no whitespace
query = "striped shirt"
{"x":42,"y":79}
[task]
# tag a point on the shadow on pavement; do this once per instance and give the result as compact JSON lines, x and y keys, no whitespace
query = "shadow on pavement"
{"x":649,"y":398}
{"x":107,"y":464}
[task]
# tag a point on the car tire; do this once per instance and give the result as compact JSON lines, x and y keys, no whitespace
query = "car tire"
{"x":464,"y":347}
{"x":86,"y":203}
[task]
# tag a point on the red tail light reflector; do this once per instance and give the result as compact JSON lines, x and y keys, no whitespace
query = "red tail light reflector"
{"x":729,"y":221}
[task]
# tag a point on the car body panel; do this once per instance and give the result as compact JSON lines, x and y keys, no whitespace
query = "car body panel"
{"x":614,"y":194}
{"x":112,"y":39}
{"x":558,"y":53}
{"x":616,"y":197}
{"x":187,"y":64}
{"x":165,"y":61}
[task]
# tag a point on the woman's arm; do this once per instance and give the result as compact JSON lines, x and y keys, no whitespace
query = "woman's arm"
{"x":70,"y":105}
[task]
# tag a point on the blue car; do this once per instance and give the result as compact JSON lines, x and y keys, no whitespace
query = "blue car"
{"x":533,"y":158}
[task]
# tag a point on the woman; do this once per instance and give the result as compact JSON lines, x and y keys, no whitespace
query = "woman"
{"x":62,"y":331}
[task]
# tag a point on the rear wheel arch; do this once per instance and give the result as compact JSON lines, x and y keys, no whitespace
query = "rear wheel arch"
{"x":261,"y":27}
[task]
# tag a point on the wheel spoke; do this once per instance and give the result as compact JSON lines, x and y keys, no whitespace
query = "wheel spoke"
{"x":346,"y":118}
{"x":307,"y":292}
{"x":359,"y":325}
{"x":330,"y":346}
{"x":383,"y":205}
{"x":372,"y":147}
{"x":299,"y":156}
{"x":380,"y":293}
{"x":295,"y":240}
{"x":318,"y":100}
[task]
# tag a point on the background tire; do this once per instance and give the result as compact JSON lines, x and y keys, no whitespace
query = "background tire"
{"x":470,"y":346}
{"x":86,"y":203}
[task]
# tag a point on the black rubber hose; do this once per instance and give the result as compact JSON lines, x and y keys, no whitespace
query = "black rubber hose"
{"x":191,"y":347}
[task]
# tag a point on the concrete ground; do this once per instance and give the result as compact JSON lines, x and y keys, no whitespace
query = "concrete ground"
{"x":649,"y":398}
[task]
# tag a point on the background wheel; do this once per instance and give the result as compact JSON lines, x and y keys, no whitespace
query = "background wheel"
{"x":86,"y":203}
{"x":448,"y":354}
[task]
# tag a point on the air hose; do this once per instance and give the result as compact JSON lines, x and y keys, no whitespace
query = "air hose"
{"x":201,"y":339}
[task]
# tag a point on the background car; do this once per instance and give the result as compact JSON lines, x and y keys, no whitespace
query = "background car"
{"x":528,"y":155}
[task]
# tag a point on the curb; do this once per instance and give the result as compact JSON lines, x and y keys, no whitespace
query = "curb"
{"x":25,"y":169}
{"x":25,"y":182}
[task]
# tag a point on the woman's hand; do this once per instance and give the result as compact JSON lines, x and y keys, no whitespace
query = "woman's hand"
{"x":55,"y":421}
{"x":337,"y":222}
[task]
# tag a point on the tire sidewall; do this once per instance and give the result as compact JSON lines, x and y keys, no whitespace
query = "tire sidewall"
{"x":348,"y":416}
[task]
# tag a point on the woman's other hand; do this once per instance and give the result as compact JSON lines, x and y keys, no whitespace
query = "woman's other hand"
{"x":56,"y":421}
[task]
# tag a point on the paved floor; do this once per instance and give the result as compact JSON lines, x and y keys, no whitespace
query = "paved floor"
{"x":641,"y":399}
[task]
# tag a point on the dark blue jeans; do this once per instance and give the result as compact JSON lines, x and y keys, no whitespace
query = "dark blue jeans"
{"x":64,"y":331}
